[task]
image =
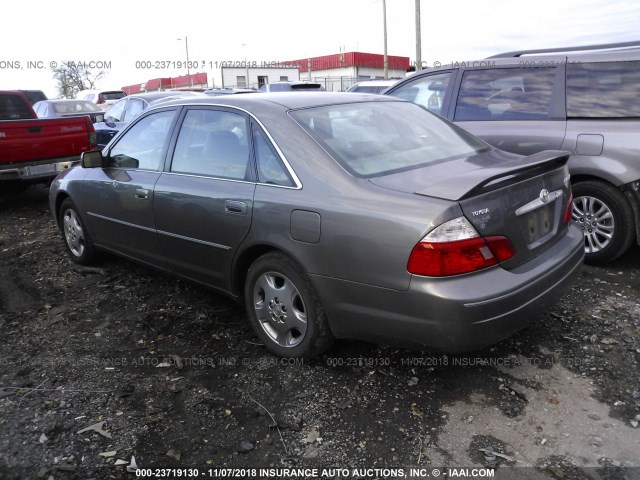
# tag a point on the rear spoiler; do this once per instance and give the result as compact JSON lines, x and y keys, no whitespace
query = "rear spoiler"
{"x":490,"y":178}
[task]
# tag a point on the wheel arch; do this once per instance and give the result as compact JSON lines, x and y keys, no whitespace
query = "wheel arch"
{"x":244,"y":260}
{"x":61,"y":197}
{"x":631,"y":195}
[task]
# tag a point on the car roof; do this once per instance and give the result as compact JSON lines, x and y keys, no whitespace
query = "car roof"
{"x":288,"y":100}
{"x":150,"y":96}
{"x":377,"y":83}
{"x":65,"y":100}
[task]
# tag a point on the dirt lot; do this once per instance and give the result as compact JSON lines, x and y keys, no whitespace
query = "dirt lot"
{"x":171,"y":374}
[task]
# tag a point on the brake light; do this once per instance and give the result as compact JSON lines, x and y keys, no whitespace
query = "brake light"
{"x":568,"y":209}
{"x":93,"y":139}
{"x":455,"y":247}
{"x":100,"y":100}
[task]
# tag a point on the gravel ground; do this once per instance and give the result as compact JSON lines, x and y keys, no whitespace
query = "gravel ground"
{"x":116,"y":362}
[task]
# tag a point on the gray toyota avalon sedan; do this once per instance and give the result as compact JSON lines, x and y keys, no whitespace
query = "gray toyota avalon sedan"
{"x":332,"y":216}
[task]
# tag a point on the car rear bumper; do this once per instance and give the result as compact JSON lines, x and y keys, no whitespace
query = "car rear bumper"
{"x":37,"y":173}
{"x":454,"y":314}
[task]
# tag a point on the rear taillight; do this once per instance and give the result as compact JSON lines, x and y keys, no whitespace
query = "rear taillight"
{"x":100,"y":100}
{"x":454,"y":248}
{"x":93,"y":140}
{"x":568,"y":209}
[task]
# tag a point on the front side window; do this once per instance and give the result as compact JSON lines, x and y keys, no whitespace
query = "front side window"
{"x":213,"y":143}
{"x":141,"y":147}
{"x":377,"y":138}
{"x":427,"y":91}
{"x":505,"y":94}
{"x":603,"y":90}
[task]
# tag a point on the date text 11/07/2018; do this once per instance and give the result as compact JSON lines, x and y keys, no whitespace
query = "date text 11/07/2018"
{"x":283,"y":473}
{"x":203,"y":64}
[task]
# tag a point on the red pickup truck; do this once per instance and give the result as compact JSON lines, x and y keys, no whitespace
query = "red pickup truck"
{"x":34,"y":150}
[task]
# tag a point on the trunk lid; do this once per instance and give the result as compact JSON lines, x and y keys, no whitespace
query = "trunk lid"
{"x":522,"y":198}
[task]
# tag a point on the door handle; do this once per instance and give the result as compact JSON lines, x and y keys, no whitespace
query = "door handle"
{"x":34,"y":129}
{"x":232,"y":206}
{"x":142,"y":193}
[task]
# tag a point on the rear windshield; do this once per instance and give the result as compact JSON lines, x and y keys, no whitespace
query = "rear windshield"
{"x":306,"y":86}
{"x":79,"y":106}
{"x":366,"y":89}
{"x":13,"y":107}
{"x":112,"y":95}
{"x":376,"y":138}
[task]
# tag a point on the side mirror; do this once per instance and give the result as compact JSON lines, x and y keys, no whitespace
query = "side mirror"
{"x":91,"y":159}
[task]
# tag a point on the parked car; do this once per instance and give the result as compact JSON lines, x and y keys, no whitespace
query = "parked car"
{"x":68,"y":108}
{"x":33,"y":96}
{"x":126,"y":109}
{"x":359,"y":216}
{"x":371,"y":86}
{"x":103,"y":98}
{"x":587,"y":103}
{"x":214,"y":92}
{"x":34,"y":150}
{"x":291,"y":86}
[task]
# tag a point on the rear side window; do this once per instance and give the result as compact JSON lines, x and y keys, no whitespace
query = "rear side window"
{"x":270,"y":168}
{"x":505,"y":94}
{"x":116,"y":112}
{"x":603,"y":90}
{"x":14,"y":107}
{"x":213,"y":142}
{"x":427,"y":91}
{"x":134,"y":107}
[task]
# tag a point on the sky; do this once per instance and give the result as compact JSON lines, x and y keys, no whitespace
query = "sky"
{"x":120,"y":35}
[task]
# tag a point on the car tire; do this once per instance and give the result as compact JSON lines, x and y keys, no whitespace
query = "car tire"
{"x":284,"y":308}
{"x":606,"y":219}
{"x":76,"y":237}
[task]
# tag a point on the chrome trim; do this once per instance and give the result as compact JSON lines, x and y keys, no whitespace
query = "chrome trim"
{"x":195,"y":240}
{"x":121,"y":222}
{"x":538,"y":202}
{"x":233,"y":107}
{"x":211,"y":177}
{"x":175,"y":235}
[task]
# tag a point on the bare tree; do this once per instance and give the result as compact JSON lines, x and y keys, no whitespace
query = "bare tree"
{"x":73,"y":77}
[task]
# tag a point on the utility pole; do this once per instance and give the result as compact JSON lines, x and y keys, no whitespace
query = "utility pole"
{"x":418,"y":38}
{"x":186,"y":46}
{"x":386,"y":58}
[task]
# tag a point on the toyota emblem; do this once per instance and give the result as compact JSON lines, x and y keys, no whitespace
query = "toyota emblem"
{"x":544,"y":195}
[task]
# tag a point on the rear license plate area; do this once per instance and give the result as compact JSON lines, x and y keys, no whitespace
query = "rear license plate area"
{"x":539,"y":224}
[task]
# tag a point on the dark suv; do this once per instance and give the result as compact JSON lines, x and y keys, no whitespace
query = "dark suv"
{"x":585,"y":100}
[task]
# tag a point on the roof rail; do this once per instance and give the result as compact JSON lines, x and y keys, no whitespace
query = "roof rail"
{"x":603,"y":46}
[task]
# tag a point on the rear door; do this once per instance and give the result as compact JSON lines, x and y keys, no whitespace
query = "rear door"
{"x":119,"y":199}
{"x":603,"y":114}
{"x":204,"y":202}
{"x":518,"y":109}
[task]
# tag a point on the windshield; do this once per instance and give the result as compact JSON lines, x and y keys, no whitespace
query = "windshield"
{"x":376,"y":138}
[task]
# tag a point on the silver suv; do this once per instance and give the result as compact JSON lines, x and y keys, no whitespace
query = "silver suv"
{"x":585,"y":100}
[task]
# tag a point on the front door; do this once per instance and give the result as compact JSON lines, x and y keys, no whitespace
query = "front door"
{"x":120,"y":209}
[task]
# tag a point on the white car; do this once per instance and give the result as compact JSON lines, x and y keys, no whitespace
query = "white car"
{"x":103,"y":98}
{"x":371,"y":86}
